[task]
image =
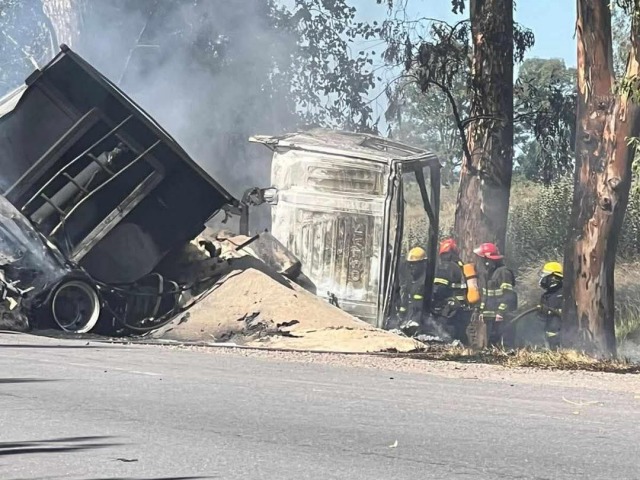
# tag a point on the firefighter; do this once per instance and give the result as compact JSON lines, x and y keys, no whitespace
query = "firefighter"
{"x":551,"y":301}
{"x":498,"y":297}
{"x":450,"y":290}
{"x":412,"y":291}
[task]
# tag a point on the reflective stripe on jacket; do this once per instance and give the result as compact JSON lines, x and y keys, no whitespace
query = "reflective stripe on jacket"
{"x":449,"y":283}
{"x":498,"y":296}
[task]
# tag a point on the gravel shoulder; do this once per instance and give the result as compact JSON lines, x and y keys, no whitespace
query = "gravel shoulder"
{"x":448,"y":369}
{"x":623,"y":383}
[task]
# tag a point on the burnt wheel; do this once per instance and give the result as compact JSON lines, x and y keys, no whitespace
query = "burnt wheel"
{"x":75,"y":306}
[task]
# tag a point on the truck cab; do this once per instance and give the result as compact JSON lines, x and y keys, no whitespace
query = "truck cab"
{"x":350,"y":206}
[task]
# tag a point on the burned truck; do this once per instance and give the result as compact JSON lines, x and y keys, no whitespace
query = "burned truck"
{"x":94,"y":194}
{"x":349,"y":206}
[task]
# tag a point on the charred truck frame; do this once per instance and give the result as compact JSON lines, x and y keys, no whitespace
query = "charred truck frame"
{"x":105,"y":192}
{"x":339,"y":204}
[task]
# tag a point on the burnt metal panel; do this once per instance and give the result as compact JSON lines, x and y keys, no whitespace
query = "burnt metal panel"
{"x":79,"y":158}
{"x":340,"y":208}
{"x":329,"y":213}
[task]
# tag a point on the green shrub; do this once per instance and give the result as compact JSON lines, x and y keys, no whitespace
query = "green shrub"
{"x":538,"y":222}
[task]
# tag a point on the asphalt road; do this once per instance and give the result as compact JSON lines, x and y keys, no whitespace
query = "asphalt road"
{"x":71,"y":410}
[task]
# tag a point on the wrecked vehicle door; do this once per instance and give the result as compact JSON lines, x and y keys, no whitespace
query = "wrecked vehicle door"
{"x":107,"y":186}
{"x":413,"y":220}
{"x":338,"y":204}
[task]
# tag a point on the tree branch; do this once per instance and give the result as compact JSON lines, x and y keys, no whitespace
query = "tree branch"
{"x":467,"y":121}
{"x":461,"y":127}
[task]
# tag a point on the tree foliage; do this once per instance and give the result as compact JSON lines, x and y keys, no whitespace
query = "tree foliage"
{"x":620,"y":30}
{"x":306,"y":61}
{"x":435,"y":54}
{"x":545,"y":113}
{"x":544,"y":120}
{"x":426,"y":120}
{"x":330,"y":82}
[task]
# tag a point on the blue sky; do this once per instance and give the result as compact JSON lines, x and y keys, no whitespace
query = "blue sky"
{"x":552,"y":22}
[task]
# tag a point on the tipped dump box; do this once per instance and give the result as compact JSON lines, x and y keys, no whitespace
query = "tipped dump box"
{"x":105,"y":186}
{"x":96,"y":175}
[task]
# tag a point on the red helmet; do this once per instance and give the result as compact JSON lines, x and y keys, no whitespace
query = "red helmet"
{"x":488,"y":250}
{"x":448,"y":245}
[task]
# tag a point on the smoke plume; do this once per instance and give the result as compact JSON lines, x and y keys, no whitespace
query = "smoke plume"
{"x":210,"y":72}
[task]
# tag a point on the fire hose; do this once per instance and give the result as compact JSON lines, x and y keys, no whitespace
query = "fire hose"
{"x":524,"y":314}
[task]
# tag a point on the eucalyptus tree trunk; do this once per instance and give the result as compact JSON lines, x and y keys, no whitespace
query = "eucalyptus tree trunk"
{"x":485,"y":182}
{"x":606,"y":122}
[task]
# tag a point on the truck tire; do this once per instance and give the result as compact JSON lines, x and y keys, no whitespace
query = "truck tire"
{"x":75,"y":306}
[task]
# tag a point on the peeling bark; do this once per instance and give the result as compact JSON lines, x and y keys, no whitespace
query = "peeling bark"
{"x":483,"y":196}
{"x":602,"y":180}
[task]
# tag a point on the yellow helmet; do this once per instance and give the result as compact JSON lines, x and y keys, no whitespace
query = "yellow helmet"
{"x":552,"y":268}
{"x":416,"y":254}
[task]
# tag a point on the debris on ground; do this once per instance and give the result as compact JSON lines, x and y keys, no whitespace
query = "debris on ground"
{"x":264,"y":247}
{"x":254,"y":307}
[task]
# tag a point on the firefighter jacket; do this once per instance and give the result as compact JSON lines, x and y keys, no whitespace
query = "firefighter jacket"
{"x":551,"y":313}
{"x":498,"y":295}
{"x":449,"y":283}
{"x":412,"y":298}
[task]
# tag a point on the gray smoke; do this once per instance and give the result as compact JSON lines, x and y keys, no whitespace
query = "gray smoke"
{"x":207,"y":71}
{"x":212,"y":72}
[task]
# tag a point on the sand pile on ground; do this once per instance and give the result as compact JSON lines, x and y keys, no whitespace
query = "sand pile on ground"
{"x":261,"y":308}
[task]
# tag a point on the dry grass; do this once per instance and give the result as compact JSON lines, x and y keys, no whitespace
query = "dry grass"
{"x":627,"y":281}
{"x":534,"y":358}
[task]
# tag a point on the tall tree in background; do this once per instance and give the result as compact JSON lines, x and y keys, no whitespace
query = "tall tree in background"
{"x":485,"y":181}
{"x":607,"y":121}
{"x":434,"y":61}
{"x":425,"y":119}
{"x":545,"y":119}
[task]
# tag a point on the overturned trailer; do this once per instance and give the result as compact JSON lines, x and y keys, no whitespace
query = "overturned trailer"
{"x":105,"y":193}
{"x":348,"y":205}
